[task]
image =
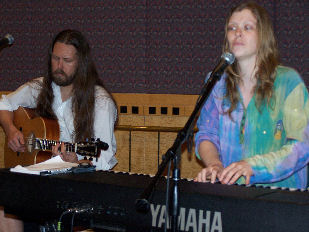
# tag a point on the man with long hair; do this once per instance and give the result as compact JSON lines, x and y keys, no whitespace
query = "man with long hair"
{"x":72,"y":94}
{"x":256,"y":112}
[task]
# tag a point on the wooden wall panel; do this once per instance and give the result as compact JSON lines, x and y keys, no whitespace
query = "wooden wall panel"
{"x":144,"y":144}
{"x":144,"y":154}
{"x":123,"y":154}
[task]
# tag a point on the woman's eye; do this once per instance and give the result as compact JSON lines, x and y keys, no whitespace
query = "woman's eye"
{"x":248,"y":27}
{"x":231,"y":28}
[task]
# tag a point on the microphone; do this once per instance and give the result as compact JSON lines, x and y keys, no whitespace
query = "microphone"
{"x":6,"y":41}
{"x":226,"y":60}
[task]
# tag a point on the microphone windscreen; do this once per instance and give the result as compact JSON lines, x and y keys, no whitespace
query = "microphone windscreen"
{"x":229,"y":57}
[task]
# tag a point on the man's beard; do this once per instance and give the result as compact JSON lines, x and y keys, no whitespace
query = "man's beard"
{"x":64,"y":79}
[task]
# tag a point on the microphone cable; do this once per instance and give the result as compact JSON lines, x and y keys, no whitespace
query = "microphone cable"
{"x":73,"y":211}
{"x":60,"y":219}
{"x":72,"y":220}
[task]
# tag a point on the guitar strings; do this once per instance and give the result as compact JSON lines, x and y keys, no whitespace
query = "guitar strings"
{"x":46,"y":143}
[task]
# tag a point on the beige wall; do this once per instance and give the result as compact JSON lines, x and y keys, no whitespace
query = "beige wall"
{"x":146,"y":153}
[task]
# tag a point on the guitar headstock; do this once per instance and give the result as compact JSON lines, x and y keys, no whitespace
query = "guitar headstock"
{"x":91,"y":148}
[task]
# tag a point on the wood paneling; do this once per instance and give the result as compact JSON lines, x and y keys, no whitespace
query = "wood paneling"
{"x":147,"y":147}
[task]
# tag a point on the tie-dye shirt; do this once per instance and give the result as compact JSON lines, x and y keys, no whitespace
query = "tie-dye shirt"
{"x":296,"y":160}
{"x":263,"y":137}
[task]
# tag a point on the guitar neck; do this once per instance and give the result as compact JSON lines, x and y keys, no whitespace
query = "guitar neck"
{"x":46,"y":145}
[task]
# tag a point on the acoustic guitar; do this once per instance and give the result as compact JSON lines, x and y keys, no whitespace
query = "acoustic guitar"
{"x":40,"y":135}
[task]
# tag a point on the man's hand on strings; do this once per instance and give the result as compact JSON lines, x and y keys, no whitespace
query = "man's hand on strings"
{"x":59,"y":149}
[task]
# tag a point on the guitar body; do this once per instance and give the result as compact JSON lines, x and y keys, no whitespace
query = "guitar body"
{"x":28,"y":123}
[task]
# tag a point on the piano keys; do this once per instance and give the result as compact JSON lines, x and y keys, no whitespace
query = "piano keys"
{"x":107,"y":200}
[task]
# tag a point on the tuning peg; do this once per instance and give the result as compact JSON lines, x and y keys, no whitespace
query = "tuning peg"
{"x":103,"y":146}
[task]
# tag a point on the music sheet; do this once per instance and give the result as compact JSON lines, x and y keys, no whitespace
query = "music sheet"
{"x":53,"y":164}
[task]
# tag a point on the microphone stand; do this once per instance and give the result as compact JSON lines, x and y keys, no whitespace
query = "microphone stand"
{"x":174,"y":153}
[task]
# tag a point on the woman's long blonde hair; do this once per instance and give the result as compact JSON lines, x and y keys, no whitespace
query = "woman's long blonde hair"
{"x":267,"y":59}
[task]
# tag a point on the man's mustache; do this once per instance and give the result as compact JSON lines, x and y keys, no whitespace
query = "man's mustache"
{"x":59,"y":71}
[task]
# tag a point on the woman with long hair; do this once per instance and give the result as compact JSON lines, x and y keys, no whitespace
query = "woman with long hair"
{"x":257,"y":110}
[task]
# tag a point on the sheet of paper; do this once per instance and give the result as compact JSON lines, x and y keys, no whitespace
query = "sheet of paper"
{"x":55,"y":163}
